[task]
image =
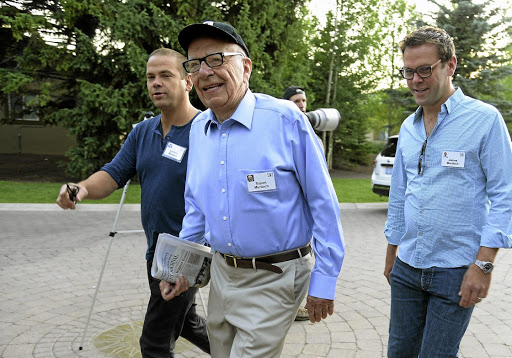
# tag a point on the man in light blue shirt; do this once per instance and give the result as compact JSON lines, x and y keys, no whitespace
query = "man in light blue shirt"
{"x":258,"y":186}
{"x":450,"y":204}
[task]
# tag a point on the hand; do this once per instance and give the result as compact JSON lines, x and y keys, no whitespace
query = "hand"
{"x":475,"y":286}
{"x":318,"y":308}
{"x":390,"y":260}
{"x":64,"y":201}
{"x":171,"y":290}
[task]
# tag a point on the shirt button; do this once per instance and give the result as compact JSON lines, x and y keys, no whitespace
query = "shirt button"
{"x":230,"y":244}
{"x":420,"y":233}
{"x":225,"y":218}
{"x":223,"y":190}
{"x":224,"y":135}
{"x":222,"y":162}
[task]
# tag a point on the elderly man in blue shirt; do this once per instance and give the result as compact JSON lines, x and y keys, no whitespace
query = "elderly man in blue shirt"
{"x":258,"y":182}
{"x":450,"y":204}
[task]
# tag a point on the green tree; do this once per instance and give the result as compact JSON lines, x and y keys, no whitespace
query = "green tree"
{"x":88,"y":58}
{"x":396,"y":98}
{"x":506,"y":82}
{"x":483,"y":55}
{"x":481,"y":34}
{"x":387,"y":109}
{"x":354,"y":44}
{"x":89,"y":69}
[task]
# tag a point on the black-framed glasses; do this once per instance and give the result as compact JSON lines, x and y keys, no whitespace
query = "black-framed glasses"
{"x":421,"y":167}
{"x":72,"y":192}
{"x":212,"y":60}
{"x":422,"y":71}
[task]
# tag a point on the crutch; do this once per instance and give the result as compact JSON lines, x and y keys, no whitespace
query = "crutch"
{"x":112,"y":234}
{"x":147,"y":115}
{"x":202,"y":301}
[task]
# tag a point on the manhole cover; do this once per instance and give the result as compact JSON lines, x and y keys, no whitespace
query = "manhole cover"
{"x":123,"y":341}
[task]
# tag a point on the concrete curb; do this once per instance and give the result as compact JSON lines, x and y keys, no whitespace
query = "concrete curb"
{"x":136,"y":207}
{"x":80,"y":207}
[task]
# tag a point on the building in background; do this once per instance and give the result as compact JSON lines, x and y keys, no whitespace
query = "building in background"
{"x":22,"y":132}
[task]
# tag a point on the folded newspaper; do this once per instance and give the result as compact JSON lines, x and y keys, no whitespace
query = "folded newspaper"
{"x":174,"y":256}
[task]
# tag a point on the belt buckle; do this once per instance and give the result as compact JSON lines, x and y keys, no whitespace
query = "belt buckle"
{"x":233,"y":257}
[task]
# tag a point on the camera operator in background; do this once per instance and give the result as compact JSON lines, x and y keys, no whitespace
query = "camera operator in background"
{"x":297,"y":95}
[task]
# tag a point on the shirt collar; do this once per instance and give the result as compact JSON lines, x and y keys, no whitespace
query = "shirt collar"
{"x":243,"y":113}
{"x":449,"y":105}
{"x":454,"y":100}
{"x":157,"y":125}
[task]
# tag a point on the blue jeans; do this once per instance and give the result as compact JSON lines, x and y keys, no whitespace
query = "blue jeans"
{"x":426,"y":319}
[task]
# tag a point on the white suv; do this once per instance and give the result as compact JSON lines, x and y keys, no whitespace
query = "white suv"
{"x":383,"y":167}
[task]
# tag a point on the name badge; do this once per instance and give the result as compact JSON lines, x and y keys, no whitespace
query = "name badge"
{"x":258,"y":182}
{"x":174,"y":152}
{"x":453,"y":159}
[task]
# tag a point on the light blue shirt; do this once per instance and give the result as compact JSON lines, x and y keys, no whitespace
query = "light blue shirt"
{"x":290,"y":199}
{"x":463,"y":199}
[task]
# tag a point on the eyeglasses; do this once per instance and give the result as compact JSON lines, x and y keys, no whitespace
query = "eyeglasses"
{"x":213,"y":60}
{"x":422,"y":71}
{"x":422,"y":154}
{"x":72,"y":192}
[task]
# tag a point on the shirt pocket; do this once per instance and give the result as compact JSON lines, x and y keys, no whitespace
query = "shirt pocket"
{"x":261,"y":198}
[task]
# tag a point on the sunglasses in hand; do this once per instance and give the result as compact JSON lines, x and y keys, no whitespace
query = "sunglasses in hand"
{"x":72,"y":192}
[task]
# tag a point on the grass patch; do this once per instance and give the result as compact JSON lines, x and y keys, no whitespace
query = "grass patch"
{"x":351,"y":190}
{"x":46,"y":193}
{"x":348,"y":191}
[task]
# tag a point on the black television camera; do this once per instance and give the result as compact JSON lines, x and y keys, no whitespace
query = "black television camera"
{"x":324,"y":119}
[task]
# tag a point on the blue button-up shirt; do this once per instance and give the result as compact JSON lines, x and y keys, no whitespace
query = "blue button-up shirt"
{"x":265,"y":137}
{"x":463,"y":198}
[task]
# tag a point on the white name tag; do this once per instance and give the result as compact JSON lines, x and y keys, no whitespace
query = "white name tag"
{"x":174,"y":152}
{"x":260,"y":182}
{"x":453,"y":159}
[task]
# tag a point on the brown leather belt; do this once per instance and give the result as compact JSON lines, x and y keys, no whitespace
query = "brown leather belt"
{"x":265,"y":262}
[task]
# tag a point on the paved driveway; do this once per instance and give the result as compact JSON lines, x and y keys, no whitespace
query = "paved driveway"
{"x":51,"y":260}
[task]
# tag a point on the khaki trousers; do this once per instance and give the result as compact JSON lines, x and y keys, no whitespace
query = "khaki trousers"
{"x":250,"y":311}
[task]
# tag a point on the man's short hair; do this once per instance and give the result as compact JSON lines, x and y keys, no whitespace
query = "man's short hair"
{"x":171,"y":53}
{"x":430,"y":35}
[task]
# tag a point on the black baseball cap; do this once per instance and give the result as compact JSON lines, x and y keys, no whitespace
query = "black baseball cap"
{"x":210,"y":29}
{"x":292,"y":91}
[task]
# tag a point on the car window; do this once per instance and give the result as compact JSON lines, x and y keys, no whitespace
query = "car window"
{"x":390,"y":148}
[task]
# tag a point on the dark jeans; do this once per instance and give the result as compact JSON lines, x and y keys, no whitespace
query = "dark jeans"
{"x":165,"y":321}
{"x":426,"y":319}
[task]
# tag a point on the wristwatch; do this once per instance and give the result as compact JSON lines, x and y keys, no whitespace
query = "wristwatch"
{"x":485,"y":266}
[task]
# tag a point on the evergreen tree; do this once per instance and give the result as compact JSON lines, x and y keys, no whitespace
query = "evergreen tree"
{"x":88,"y":58}
{"x":481,"y":34}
